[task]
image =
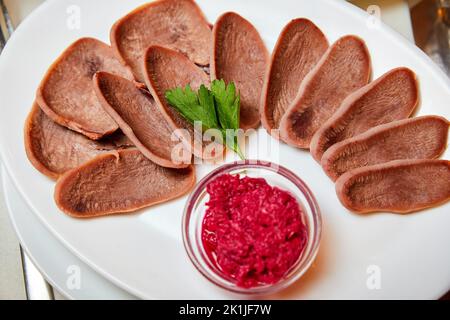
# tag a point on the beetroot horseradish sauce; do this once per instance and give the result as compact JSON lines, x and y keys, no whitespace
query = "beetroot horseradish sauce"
{"x":252,"y":232}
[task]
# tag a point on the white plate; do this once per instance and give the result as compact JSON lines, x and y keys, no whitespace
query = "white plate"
{"x":60,"y":264}
{"x":143,"y":252}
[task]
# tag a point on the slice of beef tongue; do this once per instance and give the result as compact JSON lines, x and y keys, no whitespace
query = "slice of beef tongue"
{"x":53,"y":149}
{"x":66,"y":94}
{"x":299,"y":47}
{"x":343,"y":69}
{"x":400,"y":186}
{"x":118,"y":139}
{"x":176,"y":24}
{"x":140,"y":118}
{"x":240,"y":56}
{"x":119,"y":182}
{"x":166,"y":69}
{"x":393,"y":96}
{"x":417,"y":138}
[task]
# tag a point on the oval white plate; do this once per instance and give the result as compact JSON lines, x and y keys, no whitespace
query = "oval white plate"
{"x":38,"y":241}
{"x":143,"y":252}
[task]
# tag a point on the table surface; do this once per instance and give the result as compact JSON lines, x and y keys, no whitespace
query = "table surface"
{"x":393,"y":12}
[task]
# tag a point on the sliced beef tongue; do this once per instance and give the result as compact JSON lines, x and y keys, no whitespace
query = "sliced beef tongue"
{"x":124,"y":181}
{"x":166,"y":69}
{"x":119,"y":140}
{"x":240,"y":56}
{"x":343,"y":69}
{"x":66,"y":93}
{"x":175,"y":24}
{"x":140,"y":118}
{"x":400,"y":186}
{"x":53,"y":149}
{"x":393,"y":96}
{"x":416,"y":138}
{"x":300,"y":46}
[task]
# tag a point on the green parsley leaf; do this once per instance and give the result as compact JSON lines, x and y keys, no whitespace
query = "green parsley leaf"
{"x":194,"y":106}
{"x":227,"y":104}
{"x":217,"y":108}
{"x":228,"y":110}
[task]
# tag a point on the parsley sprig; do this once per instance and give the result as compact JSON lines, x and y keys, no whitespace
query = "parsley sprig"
{"x":216,"y":108}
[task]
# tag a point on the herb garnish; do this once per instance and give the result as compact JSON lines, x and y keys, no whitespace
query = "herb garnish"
{"x":217,"y":108}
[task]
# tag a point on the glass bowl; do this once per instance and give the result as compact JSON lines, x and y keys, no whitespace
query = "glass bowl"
{"x":275,"y":175}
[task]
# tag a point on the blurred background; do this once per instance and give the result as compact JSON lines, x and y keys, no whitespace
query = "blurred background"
{"x":423,"y":22}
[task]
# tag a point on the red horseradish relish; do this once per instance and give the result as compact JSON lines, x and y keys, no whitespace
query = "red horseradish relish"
{"x":252,"y":232}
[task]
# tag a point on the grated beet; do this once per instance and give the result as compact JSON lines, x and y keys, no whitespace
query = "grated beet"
{"x":252,"y":231}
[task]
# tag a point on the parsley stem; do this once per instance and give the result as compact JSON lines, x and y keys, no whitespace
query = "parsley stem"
{"x":239,"y":152}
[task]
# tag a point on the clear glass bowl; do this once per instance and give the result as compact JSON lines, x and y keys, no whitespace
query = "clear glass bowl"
{"x":275,"y":175}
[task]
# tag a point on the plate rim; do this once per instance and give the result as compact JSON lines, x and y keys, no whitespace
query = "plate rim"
{"x":7,"y":184}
